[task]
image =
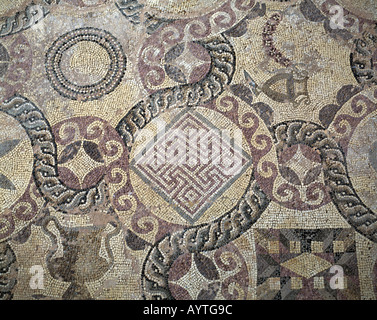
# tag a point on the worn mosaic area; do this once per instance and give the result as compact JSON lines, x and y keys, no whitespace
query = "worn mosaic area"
{"x":188,"y":149}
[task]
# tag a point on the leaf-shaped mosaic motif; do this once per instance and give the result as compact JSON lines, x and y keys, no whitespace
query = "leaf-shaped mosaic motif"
{"x":134,"y":241}
{"x":175,"y":73}
{"x":312,"y":175}
{"x":210,"y":293}
{"x":174,"y":52}
{"x":92,"y":151}
{"x":242,"y":92}
{"x":7,"y":146}
{"x":69,"y":152}
{"x":290,"y":175}
{"x":5,"y":183}
{"x":180,"y":267}
{"x":206,"y":267}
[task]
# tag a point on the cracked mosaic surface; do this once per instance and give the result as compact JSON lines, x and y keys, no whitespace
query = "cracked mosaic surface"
{"x":195,"y":149}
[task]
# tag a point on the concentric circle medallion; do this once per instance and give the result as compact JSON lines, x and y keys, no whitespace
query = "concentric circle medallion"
{"x":85,"y":64}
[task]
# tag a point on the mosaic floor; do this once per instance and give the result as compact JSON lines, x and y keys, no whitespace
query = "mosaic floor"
{"x":188,"y":149}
